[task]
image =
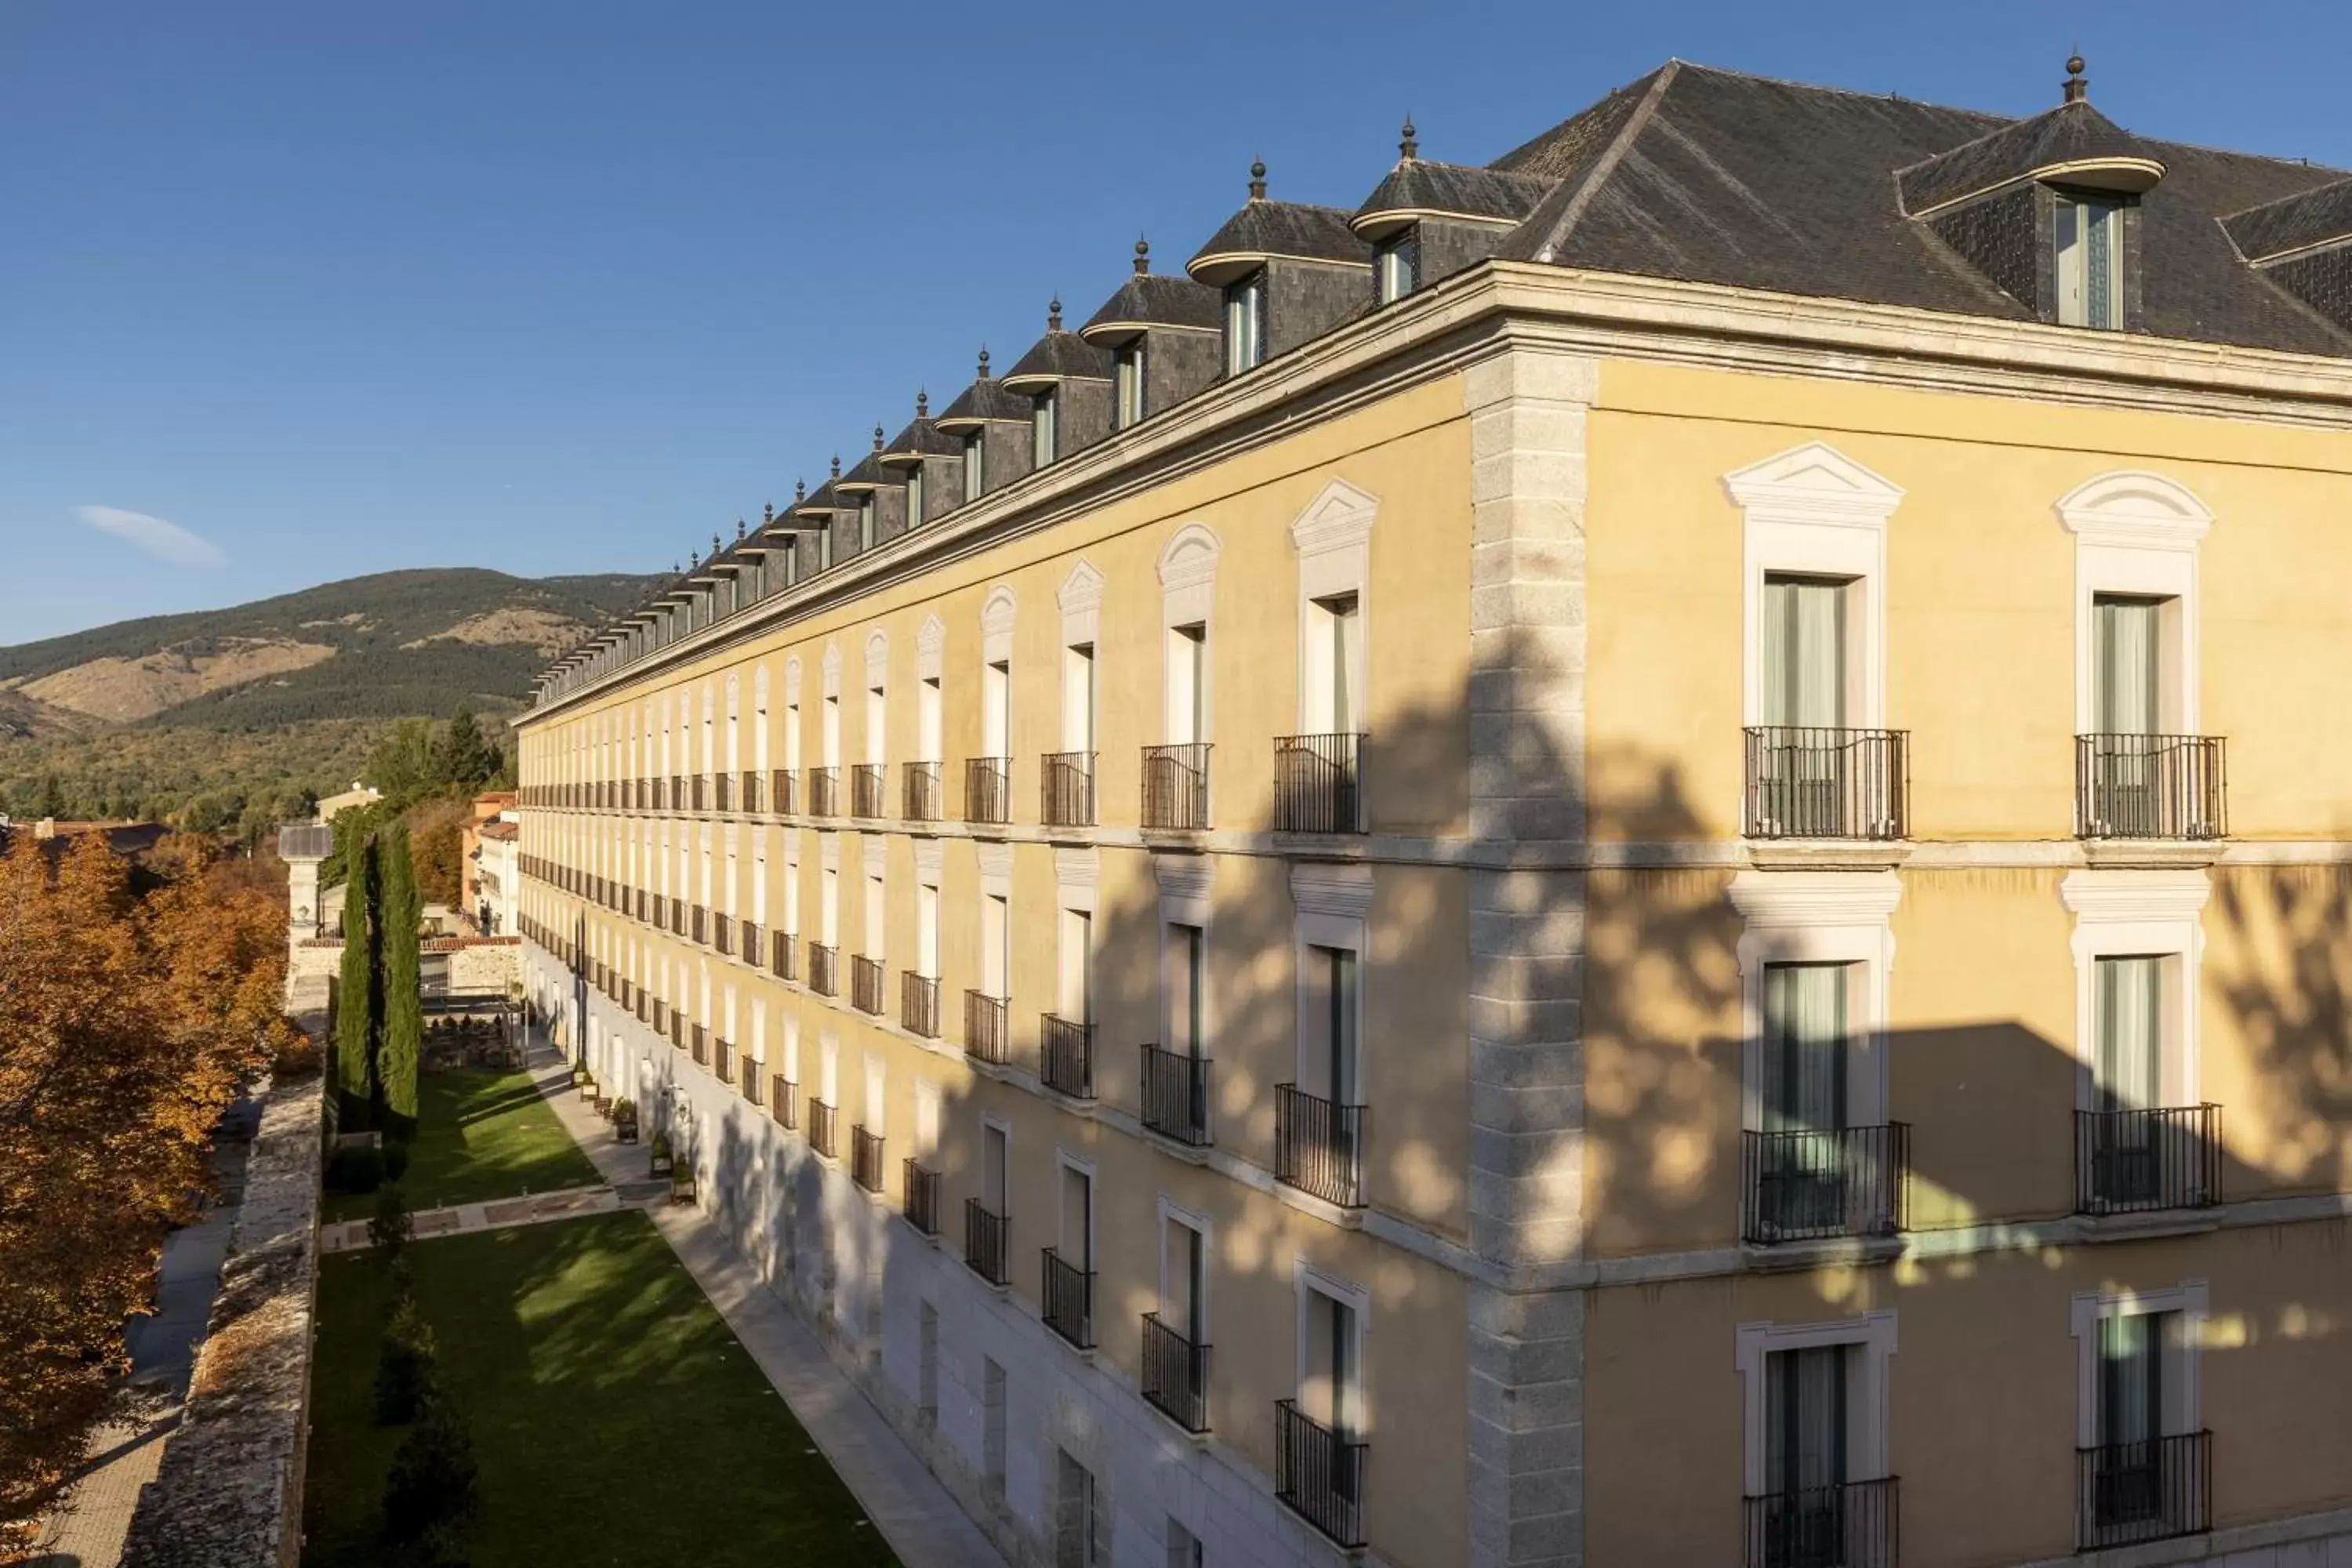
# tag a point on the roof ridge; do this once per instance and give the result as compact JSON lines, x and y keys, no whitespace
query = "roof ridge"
{"x":2005,"y":128}
{"x":1606,"y":164}
{"x":1845,"y":91}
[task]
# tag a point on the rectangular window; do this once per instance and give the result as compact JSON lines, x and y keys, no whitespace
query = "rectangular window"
{"x":1043,"y":439}
{"x":828,"y":913}
{"x":1077,"y":1245}
{"x":1075,"y":997}
{"x":1185,"y":1280}
{"x":1399,"y":269}
{"x":1334,"y":671}
{"x":2128,"y":671}
{"x":866,"y":521}
{"x":928,"y":720}
{"x":1188,"y":975}
{"x":1805,"y":1440}
{"x":2132,"y":1376}
{"x":1078,"y":698}
{"x":1127,"y":376}
{"x":1188,"y":684}
{"x":1331,"y":1391}
{"x":1805,"y":1046}
{"x":995,"y":1168}
{"x":2129,"y":1072}
{"x":996,"y":709}
{"x":877,"y":731}
{"x":914,"y":496}
{"x":927,"y":1380}
{"x":1075,"y":1522}
{"x":1328,"y":1033}
{"x":825,"y":545}
{"x":831,"y":738}
{"x":995,"y":949}
{"x":1803,"y":660}
{"x":927,"y":931}
{"x":2090,"y":262}
{"x":1245,"y":324}
{"x":877,"y":913}
{"x":975,"y":464}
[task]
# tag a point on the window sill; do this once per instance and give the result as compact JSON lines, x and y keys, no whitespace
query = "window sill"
{"x":1321,"y":1208}
{"x":1827,"y":1252}
{"x":2151,"y":854}
{"x":2147,"y":1223}
{"x":1828,"y":854}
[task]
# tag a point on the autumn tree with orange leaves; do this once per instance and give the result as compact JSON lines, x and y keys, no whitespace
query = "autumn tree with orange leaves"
{"x":134,"y":1006}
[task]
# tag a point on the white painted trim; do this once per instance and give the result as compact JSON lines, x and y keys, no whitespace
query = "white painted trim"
{"x":1186,"y":877}
{"x":1867,"y":1415}
{"x":2191,"y":1298}
{"x":1342,"y":891}
{"x":930,"y":648}
{"x":928,"y":856}
{"x":996,"y":617}
{"x":1063,"y":1159}
{"x":877,"y":855}
{"x":828,"y":851}
{"x":832,"y":671}
{"x":1332,"y":538}
{"x":1813,"y":510}
{"x":1306,"y":1278}
{"x":2138,"y":533}
{"x":878,"y":661}
{"x":1201,"y":1225}
{"x":2126,"y":913}
{"x":1188,"y":574}
{"x":1080,"y":602}
{"x":1819,"y":917}
{"x":1077,"y":875}
{"x":995,"y":862}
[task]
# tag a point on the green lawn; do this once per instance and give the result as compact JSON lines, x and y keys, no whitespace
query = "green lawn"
{"x":614,"y":1417}
{"x":480,"y":1134}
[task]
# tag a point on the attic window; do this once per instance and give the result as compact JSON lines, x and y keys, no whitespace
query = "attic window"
{"x":1127,"y":371}
{"x":2089,"y":238}
{"x":1044,"y":442}
{"x":914,"y":496}
{"x":975,"y":470}
{"x":1245,"y":324}
{"x":866,"y":521}
{"x":1398,"y":272}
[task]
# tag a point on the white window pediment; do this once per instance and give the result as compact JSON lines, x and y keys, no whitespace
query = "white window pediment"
{"x":1333,"y":539}
{"x":832,"y":669}
{"x":1188,"y":574}
{"x":996,"y":616}
{"x":2137,"y":533}
{"x":2135,"y":507}
{"x":931,"y":647}
{"x":1814,"y":483}
{"x":792,"y":680}
{"x":877,"y":660}
{"x":1080,"y":602}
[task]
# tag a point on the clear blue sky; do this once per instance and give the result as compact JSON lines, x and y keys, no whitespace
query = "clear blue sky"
{"x":564,"y":287}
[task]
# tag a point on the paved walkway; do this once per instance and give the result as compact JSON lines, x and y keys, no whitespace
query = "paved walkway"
{"x":915,"y":1514}
{"x":89,"y":1526}
{"x":495,"y":1213}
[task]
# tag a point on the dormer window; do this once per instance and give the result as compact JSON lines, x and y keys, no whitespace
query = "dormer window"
{"x":1397,"y":271}
{"x":975,"y":468}
{"x":2090,"y":261}
{"x":866,"y":521}
{"x":1044,"y":438}
{"x":914,"y":496}
{"x":1245,"y":324}
{"x":824,"y":547}
{"x":1126,"y":385}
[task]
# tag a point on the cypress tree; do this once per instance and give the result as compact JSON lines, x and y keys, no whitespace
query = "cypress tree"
{"x":355,"y":1026}
{"x":404,"y":1009}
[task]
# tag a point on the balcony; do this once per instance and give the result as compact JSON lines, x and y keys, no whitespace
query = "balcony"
{"x":701,"y":1037}
{"x":820,"y":1128}
{"x":1067,"y":1297}
{"x":749,"y":943}
{"x":677,"y":797}
{"x":865,"y":983}
{"x":2148,"y":1491}
{"x":749,"y":782}
{"x":1810,"y":782}
{"x":780,"y":955}
{"x":677,"y":917}
{"x":1318,"y":1147}
{"x":661,"y":1017}
{"x":2149,"y":786}
{"x":722,"y":1058}
{"x":1319,"y":784}
{"x":823,"y":963}
{"x":922,"y":1201}
{"x":1066,"y":1057}
{"x":701,"y":925}
{"x":2133,"y":1161}
{"x":988,"y":791}
{"x":1175,"y":1374}
{"x":866,"y":789}
{"x":747,"y":1078}
{"x":986,"y":1236}
{"x":783,"y":1101}
{"x":1853,"y":1525}
{"x":722,"y":934}
{"x":678,"y":1028}
{"x":824,"y":791}
{"x":700,"y":799}
{"x":866,"y":1159}
{"x":986,"y":1036}
{"x":722,"y":791}
{"x":1802,"y":1184}
{"x":1176,"y":788}
{"x":1176,"y":1096}
{"x":918,"y":1004}
{"x":1320,"y":1474}
{"x":784,"y":796}
{"x":923,"y":791}
{"x":1067,"y":796}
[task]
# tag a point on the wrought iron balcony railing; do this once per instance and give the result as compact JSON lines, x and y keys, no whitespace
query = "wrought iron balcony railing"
{"x":866,"y":1159}
{"x":1176,"y":1095}
{"x":1066,"y":1057}
{"x":986,"y":1236}
{"x":1175,"y":1374}
{"x":747,"y":1077}
{"x":821,"y":963}
{"x":1799,"y":1184}
{"x":1067,"y":796}
{"x":1067,"y":1296}
{"x":2131,"y":1160}
{"x":986,"y":1034}
{"x":1319,"y":784}
{"x":988,"y":791}
{"x":1852,"y":1525}
{"x":866,"y":982}
{"x":701,"y":1045}
{"x":823,"y":787}
{"x":820,"y":1127}
{"x":922,"y":1201}
{"x":781,"y":955}
{"x":1320,"y":1474}
{"x":783,"y":791}
{"x":1176,"y":787}
{"x":2148,"y":1491}
{"x":783,"y":1101}
{"x":2150,"y":787}
{"x":918,"y":1004}
{"x":723,"y":933}
{"x":1318,"y":1147}
{"x":866,"y":789}
{"x":922,"y":792}
{"x":1805,"y":782}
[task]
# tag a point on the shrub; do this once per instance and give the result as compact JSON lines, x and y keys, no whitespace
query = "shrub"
{"x":356,"y":1169}
{"x":660,"y":1146}
{"x":388,"y":1228}
{"x":396,"y":1162}
{"x":430,"y":1488}
{"x":403,"y":1367}
{"x":624,"y":1109}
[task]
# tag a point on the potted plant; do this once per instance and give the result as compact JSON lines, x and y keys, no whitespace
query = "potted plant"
{"x":681,"y":1183}
{"x":624,"y":1120}
{"x":582,"y":1079}
{"x":662,"y":1161}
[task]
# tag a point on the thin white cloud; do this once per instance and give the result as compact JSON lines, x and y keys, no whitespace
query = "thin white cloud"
{"x":165,"y":540}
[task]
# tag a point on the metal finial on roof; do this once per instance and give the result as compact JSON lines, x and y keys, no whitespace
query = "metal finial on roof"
{"x":1409,"y":148}
{"x":1143,"y":254}
{"x":983,"y":361}
{"x":739,"y":531}
{"x":1054,"y":315}
{"x":922,"y":404}
{"x":877,"y":438}
{"x":767,"y":513}
{"x":836,"y":465}
{"x":1258,"y":179}
{"x":714,"y":547}
{"x":800,"y":491}
{"x":673,"y":565}
{"x":2077,"y":88}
